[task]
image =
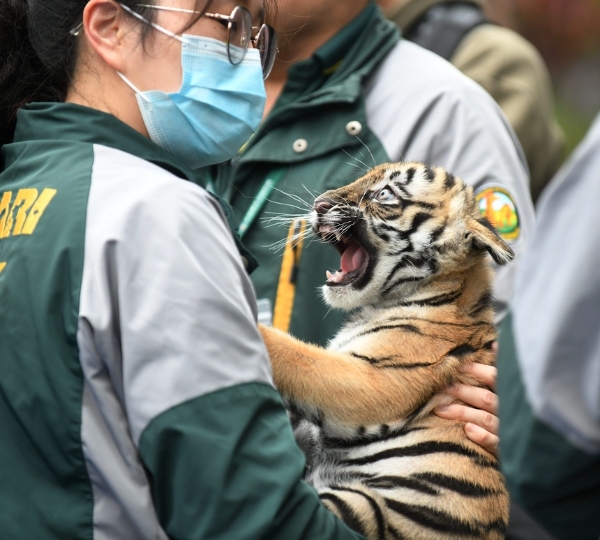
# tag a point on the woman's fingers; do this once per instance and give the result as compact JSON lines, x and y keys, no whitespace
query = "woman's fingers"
{"x":474,"y":396}
{"x":486,"y":375}
{"x":480,"y":409}
{"x":480,"y":426}
{"x":483,"y":438}
{"x":462,"y":413}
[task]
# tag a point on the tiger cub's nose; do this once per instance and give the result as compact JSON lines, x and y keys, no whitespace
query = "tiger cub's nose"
{"x":321,"y":206}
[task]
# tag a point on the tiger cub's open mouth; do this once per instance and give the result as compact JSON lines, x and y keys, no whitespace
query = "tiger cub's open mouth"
{"x":354,"y":258}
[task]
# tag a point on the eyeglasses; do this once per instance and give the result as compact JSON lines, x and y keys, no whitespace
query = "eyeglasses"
{"x":239,"y":34}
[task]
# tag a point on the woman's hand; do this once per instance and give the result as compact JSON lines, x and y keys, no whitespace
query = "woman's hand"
{"x":481,"y":409}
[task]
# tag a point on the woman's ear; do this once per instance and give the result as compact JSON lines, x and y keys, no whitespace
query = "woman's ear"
{"x":107,"y":31}
{"x":485,"y":237}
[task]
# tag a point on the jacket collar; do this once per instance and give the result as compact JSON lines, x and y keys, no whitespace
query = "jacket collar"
{"x":71,"y":122}
{"x":332,"y":53}
{"x":369,"y":39}
{"x":348,"y":57}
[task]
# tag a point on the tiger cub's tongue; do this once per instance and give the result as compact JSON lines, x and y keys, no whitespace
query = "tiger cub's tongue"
{"x":353,"y":257}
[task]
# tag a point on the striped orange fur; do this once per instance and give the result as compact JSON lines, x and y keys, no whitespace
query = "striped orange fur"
{"x":417,"y":276}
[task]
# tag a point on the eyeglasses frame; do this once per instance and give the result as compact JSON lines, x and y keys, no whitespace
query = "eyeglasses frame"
{"x":223,"y":19}
{"x":228,"y":20}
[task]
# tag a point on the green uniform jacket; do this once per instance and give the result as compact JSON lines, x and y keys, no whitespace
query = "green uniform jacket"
{"x":136,"y":397}
{"x":364,"y":98}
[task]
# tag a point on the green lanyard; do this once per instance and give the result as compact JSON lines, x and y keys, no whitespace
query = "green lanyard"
{"x":259,"y":201}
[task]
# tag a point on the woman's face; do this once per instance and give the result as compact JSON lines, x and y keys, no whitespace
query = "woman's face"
{"x":156,"y":64}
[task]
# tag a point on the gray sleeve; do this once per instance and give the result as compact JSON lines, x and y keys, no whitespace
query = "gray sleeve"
{"x":424,"y":109}
{"x":169,"y":307}
{"x":556,"y":307}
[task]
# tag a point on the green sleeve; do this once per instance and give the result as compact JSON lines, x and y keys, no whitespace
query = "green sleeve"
{"x":226,"y":466}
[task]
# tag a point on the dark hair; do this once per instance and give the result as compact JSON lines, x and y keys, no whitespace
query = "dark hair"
{"x":38,"y":54}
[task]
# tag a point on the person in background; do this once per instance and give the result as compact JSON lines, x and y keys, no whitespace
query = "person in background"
{"x":344,"y":95}
{"x":500,"y":60}
{"x":549,"y":357}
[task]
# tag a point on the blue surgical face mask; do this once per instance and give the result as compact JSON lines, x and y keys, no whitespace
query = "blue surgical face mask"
{"x":217,"y":109}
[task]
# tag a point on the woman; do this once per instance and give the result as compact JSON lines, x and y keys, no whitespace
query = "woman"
{"x":136,"y":399}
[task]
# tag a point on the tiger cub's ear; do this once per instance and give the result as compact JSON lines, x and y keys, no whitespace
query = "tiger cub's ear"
{"x":485,"y":237}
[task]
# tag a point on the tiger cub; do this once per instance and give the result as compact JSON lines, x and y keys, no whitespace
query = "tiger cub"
{"x":416,"y":276}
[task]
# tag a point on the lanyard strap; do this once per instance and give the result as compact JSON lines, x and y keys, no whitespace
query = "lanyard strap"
{"x":260,"y":200}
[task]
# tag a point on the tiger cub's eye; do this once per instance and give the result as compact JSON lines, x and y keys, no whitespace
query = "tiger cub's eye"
{"x":385,"y":195}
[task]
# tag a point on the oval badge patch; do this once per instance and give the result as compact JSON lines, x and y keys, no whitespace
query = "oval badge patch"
{"x":496,"y":205}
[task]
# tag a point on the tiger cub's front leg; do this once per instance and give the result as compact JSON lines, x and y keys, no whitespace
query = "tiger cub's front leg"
{"x":344,"y":389}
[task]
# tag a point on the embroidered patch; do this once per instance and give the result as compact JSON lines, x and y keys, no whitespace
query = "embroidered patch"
{"x":497,"y":206}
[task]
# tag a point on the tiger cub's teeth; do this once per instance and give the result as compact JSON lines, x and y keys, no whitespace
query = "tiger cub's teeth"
{"x":328,"y":274}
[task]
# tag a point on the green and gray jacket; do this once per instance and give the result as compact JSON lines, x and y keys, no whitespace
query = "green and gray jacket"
{"x":549,"y":357}
{"x":365,"y":98}
{"x":136,"y":398}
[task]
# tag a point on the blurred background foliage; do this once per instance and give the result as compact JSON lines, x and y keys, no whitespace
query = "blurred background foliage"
{"x":567,"y":34}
